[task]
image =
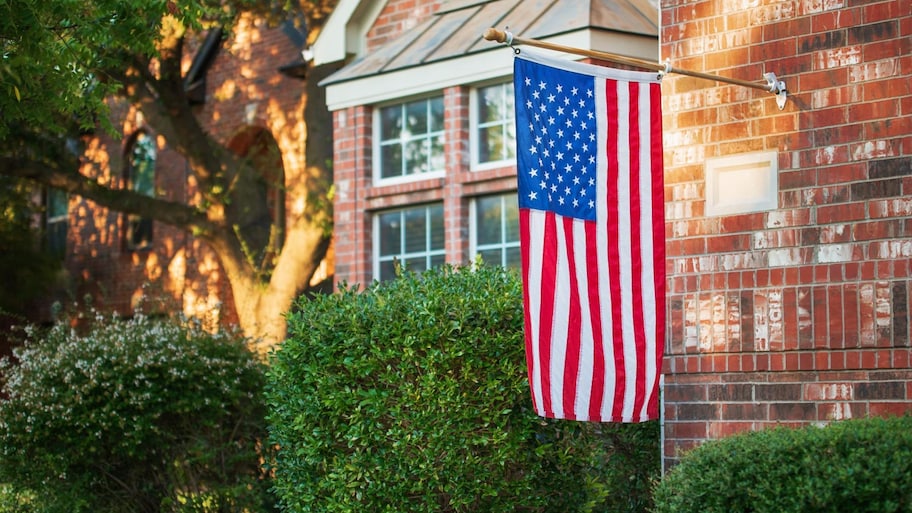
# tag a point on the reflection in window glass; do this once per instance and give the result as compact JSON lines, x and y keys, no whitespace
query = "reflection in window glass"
{"x":56,"y":214}
{"x":412,"y":237}
{"x":496,"y":230}
{"x":411,"y":138}
{"x":496,"y":135}
{"x":141,"y":179}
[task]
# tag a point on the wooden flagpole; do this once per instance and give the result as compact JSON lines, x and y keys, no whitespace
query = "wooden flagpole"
{"x":772,"y":85}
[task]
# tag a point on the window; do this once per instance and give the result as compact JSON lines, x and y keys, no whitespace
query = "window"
{"x":140,"y":178}
{"x":412,"y":237}
{"x":495,"y":230}
{"x":411,"y":138}
{"x":55,"y":221}
{"x":495,"y":133}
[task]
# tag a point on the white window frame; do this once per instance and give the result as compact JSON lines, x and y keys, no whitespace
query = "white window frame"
{"x":503,"y":246}
{"x":378,"y":259}
{"x":377,"y":156}
{"x":475,"y":126}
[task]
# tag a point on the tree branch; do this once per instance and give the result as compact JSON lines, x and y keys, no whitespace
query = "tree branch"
{"x":121,"y":200}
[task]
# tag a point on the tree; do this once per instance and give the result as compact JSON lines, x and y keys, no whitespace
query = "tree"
{"x":61,"y":65}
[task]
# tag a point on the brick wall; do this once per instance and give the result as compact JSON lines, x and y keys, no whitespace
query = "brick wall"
{"x":244,"y":91}
{"x":800,"y":314}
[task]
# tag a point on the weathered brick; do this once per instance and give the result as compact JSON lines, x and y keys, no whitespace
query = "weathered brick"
{"x":872,"y":32}
{"x":880,"y":390}
{"x":731,"y":392}
{"x":890,"y":168}
{"x":793,"y":411}
{"x":777,"y":392}
{"x":697,"y":411}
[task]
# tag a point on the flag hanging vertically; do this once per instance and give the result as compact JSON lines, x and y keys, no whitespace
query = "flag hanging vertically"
{"x":589,"y":169}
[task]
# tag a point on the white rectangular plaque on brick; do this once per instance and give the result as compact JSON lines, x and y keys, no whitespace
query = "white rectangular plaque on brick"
{"x":740,"y":184}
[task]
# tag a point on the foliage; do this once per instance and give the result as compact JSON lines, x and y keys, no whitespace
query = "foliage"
{"x":14,"y":500}
{"x":133,"y":416}
{"x":25,"y":270}
{"x":857,"y":466}
{"x":412,"y":396}
{"x":64,"y":63}
{"x":55,"y":56}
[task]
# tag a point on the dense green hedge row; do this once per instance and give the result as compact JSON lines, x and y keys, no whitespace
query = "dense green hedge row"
{"x":412,"y":396}
{"x":132,"y":416}
{"x":853,"y":466}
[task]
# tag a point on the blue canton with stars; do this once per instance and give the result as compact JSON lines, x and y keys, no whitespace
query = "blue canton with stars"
{"x":555,"y":139}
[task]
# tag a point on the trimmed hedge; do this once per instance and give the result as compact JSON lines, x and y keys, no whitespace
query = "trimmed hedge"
{"x":133,"y":416}
{"x":412,"y":396}
{"x":856,"y":466}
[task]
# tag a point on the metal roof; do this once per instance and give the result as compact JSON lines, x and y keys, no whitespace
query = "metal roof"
{"x":455,"y":29}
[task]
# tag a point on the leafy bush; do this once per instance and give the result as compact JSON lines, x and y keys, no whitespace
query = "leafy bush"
{"x":412,"y":396}
{"x":852,"y":466}
{"x":133,"y":416}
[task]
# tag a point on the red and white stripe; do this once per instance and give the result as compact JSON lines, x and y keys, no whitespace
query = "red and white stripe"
{"x":594,"y":291}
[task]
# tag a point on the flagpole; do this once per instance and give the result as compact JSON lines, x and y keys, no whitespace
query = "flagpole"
{"x":772,"y":85}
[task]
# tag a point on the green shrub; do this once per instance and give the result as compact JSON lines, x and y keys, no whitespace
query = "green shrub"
{"x":852,"y":466}
{"x":412,"y":396}
{"x":133,"y":416}
{"x":18,"y":501}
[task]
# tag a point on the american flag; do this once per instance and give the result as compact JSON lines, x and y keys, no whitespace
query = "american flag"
{"x":589,"y":169}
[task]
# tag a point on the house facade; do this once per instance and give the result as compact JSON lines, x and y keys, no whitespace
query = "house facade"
{"x":246,"y":91}
{"x":787,"y":235}
{"x":424,"y":168}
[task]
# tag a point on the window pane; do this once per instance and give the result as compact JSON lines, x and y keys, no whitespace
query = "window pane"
{"x":57,"y":203}
{"x":391,"y":160}
{"x":142,"y":165}
{"x":416,"y":160}
{"x":436,"y":114}
{"x":437,"y":159}
{"x":140,"y":232}
{"x":416,"y":264}
{"x":415,"y":230}
{"x":491,"y":256}
{"x":411,"y":138}
{"x":56,"y":238}
{"x":438,"y":233}
{"x":490,"y":104}
{"x":416,"y":115}
{"x":418,"y":226}
{"x":390,"y":233}
{"x":387,"y":270}
{"x":438,"y":260}
{"x":514,"y":260}
{"x":495,"y":135}
{"x":491,"y":144}
{"x":390,"y":123}
{"x":496,"y":230}
{"x":511,"y":218}
{"x":488,"y":214}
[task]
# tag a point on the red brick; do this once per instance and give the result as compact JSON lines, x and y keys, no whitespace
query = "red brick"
{"x":724,"y":429}
{"x":887,"y":409}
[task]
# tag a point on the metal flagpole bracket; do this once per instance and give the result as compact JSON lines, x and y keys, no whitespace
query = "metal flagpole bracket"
{"x":772,"y":85}
{"x":776,"y":87}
